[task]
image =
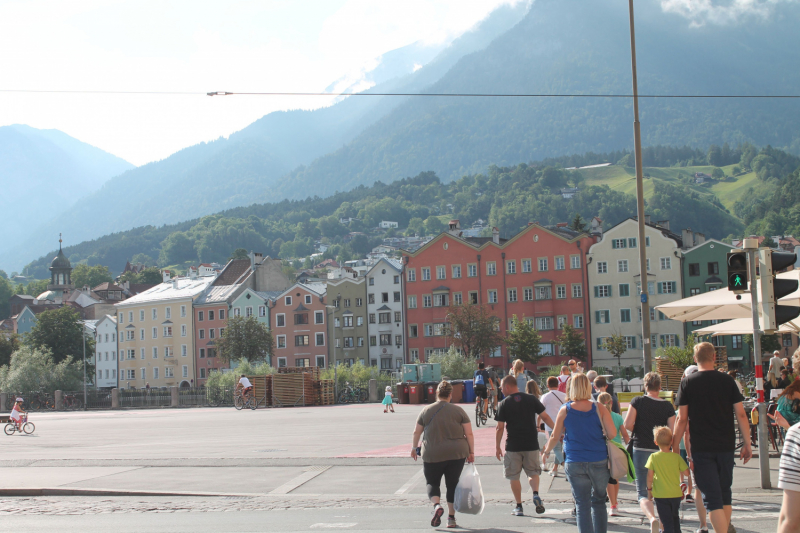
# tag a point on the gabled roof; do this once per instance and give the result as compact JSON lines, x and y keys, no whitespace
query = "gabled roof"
{"x":384,"y":308}
{"x":233,"y":272}
{"x":176,"y":289}
{"x":315,"y":288}
{"x":301,"y":307}
{"x":107,"y":286}
{"x":707,"y":241}
{"x":396,"y":264}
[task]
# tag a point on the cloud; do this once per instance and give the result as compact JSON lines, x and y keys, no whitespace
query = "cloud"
{"x":720,"y":12}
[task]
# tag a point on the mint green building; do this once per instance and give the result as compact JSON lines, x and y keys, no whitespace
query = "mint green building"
{"x":705,"y":270}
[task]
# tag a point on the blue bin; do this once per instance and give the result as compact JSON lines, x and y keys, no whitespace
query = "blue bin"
{"x":469,"y":392}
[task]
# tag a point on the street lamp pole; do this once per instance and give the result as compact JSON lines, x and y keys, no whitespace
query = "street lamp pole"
{"x":83,"y":335}
{"x":637,"y":145}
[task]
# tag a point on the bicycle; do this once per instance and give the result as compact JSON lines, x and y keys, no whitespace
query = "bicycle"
{"x":24,"y":426}
{"x":218,"y":397}
{"x":242,"y":400}
{"x":72,"y":402}
{"x":480,"y":416}
{"x":40,"y":401}
{"x":353,"y":395}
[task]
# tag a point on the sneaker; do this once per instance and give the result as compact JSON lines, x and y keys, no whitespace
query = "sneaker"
{"x":655,"y":526}
{"x":537,"y":501}
{"x":574,"y":511}
{"x":702,"y":530}
{"x":438,"y":511}
{"x":614,"y":511}
{"x":731,"y":529}
{"x":690,"y":499}
{"x":518,"y":510}
{"x":451,"y":522}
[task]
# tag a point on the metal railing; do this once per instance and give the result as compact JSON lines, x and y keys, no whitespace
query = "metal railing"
{"x":97,"y":398}
{"x":145,"y":397}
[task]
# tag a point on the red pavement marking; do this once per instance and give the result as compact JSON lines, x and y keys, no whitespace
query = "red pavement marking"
{"x":484,"y":446}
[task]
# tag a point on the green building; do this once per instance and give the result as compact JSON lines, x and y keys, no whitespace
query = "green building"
{"x":705,"y":270}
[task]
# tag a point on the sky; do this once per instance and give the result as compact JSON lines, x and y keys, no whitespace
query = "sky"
{"x":196,"y":47}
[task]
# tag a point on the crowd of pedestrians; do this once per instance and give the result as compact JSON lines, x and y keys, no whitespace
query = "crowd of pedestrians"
{"x":685,"y":453}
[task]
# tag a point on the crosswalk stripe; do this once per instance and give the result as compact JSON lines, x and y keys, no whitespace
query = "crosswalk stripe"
{"x":410,"y":483}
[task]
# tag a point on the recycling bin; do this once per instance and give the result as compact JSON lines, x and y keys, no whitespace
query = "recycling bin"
{"x":469,"y":392}
{"x":430,"y":391}
{"x":458,"y":391}
{"x":415,"y":395}
{"x":402,"y":392}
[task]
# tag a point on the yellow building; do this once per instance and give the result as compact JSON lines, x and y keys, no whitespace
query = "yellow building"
{"x":155,"y":334}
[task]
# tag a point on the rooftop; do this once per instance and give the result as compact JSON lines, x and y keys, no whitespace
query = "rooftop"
{"x":178,"y":288}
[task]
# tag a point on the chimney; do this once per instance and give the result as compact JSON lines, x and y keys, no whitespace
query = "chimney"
{"x":596,"y":227}
{"x":165,"y":276}
{"x":454,"y":227}
{"x":175,"y":284}
{"x":687,"y":236}
{"x":562,"y":225}
{"x":495,"y":235}
{"x":664,"y":224}
{"x":647,"y":219}
{"x":699,"y":238}
{"x":192,"y":272}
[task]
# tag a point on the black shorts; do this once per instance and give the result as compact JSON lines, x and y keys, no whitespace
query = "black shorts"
{"x":481,"y":392}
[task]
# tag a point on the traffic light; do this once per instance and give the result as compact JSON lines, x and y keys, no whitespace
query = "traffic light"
{"x":772,"y":289}
{"x":737,"y":271}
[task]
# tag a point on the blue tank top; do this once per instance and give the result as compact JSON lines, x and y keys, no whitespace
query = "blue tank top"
{"x":583,"y":437}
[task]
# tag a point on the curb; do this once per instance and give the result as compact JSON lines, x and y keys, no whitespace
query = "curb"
{"x":46,"y":491}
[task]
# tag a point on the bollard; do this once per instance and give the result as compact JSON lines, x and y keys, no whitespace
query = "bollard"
{"x":59,"y":400}
{"x":373,"y":391}
{"x":115,"y":398}
{"x":174,"y":392}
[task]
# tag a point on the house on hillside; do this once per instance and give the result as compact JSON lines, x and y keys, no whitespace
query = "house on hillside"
{"x":569,"y":192}
{"x":388,"y":224}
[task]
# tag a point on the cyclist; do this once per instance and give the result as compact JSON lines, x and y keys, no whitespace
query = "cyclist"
{"x":494,"y":384}
{"x":15,"y":413}
{"x":246,"y":386}
{"x":480,"y":382}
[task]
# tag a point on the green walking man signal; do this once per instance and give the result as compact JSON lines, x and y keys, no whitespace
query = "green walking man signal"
{"x":737,"y":271}
{"x":737,"y":281}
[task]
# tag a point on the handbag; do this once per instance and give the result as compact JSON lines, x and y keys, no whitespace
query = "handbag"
{"x":617,"y":457}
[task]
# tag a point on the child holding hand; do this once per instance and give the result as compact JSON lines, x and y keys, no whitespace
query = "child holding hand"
{"x":666,"y":472}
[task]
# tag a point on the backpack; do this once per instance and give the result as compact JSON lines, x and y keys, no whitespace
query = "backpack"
{"x":562,"y":385}
{"x":479,"y":379}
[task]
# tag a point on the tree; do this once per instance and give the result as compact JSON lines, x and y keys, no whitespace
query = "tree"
{"x":142,"y":259}
{"x":239,"y":253}
{"x":616,"y":345}
{"x":6,"y":292}
{"x":148,"y":276}
{"x":454,"y":364}
{"x":84,"y":275}
{"x":245,"y":338}
{"x":35,"y":369}
{"x":60,"y":332}
{"x":474,"y":330}
{"x":680,"y":357}
{"x":433,"y":226}
{"x":769,"y":343}
{"x":571,"y":344}
{"x":578,"y":223}
{"x":3,"y":274}
{"x":717,"y":173}
{"x":523,"y":341}
{"x":8,"y":345}
{"x":768,"y":242}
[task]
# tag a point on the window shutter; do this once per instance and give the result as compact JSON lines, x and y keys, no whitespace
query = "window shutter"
{"x":596,"y":291}
{"x":597,"y":317}
{"x":613,"y":244}
{"x":610,"y":291}
{"x":660,"y":288}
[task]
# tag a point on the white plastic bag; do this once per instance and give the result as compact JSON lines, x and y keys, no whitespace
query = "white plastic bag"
{"x":469,"y":494}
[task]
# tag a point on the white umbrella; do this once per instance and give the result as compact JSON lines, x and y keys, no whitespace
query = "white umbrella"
{"x":742,"y":326}
{"x":722,"y":304}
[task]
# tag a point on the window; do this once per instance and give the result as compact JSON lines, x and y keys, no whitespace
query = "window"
{"x":202,"y":353}
{"x":493,"y":297}
{"x":602,"y":267}
{"x":630,"y":342}
{"x":202,"y":373}
{"x":321,"y":361}
{"x":472,"y":271}
{"x":398,"y":340}
{"x":526,"y":265}
{"x":666,"y":263}
{"x":618,"y":243}
{"x":201,"y":316}
{"x":577,"y":321}
{"x":647,"y":264}
{"x":456,"y":271}
{"x":202,"y":334}
{"x":694,"y":269}
{"x":542,"y":264}
{"x":473,"y":297}
{"x":427,"y":301}
{"x":667,"y":287}
{"x":360,"y":342}
{"x":168,"y":352}
{"x":511,"y":267}
{"x":370,"y":299}
{"x":544,"y":323}
{"x":385,"y":339}
{"x":212,"y":333}
{"x":577,"y":290}
{"x":262,"y":312}
{"x":632,"y":242}
{"x":337,"y":323}
{"x":237,"y":312}
{"x":512,"y":295}
{"x":527,"y":294}
{"x":185,"y":371}
{"x":319,"y":317}
{"x":713,"y":269}
{"x":787,"y":339}
{"x":426,"y":274}
{"x":248,"y":311}
{"x":491,"y":268}
{"x":141,"y":315}
{"x":412,"y":302}
{"x":646,"y":242}
{"x":372,"y":318}
{"x":622,"y":265}
{"x":371,"y":281}
{"x":602,"y":291}
{"x":560,"y":264}
{"x":308,"y":298}
{"x":574,"y":261}
{"x":411,"y":275}
{"x":440,"y":274}
{"x":122,"y":318}
{"x":301,"y":340}
{"x":299,"y":318}
{"x":222,"y":314}
{"x":624,"y":315}
{"x":168,"y":313}
{"x":561,"y":320}
{"x":155,"y":372}
{"x":398,"y":316}
{"x":347,"y":302}
{"x":143,"y":373}
{"x":280,"y":320}
{"x":349,"y":342}
{"x":155,"y":333}
{"x":457,"y":299}
{"x":320,"y":339}
{"x":130,"y":316}
{"x":440,"y":300}
{"x":396,"y":296}
{"x":561,"y":292}
{"x":397,"y":280}
{"x":155,"y":314}
{"x":439,"y":330}
{"x":141,"y":334}
{"x":544,"y":293}
{"x":167,"y":331}
{"x":412,"y":331}
{"x":348,"y":321}
{"x":183,"y":312}
{"x":281,"y":341}
{"x":668,"y":340}
{"x":281,"y":362}
{"x":602,"y":317}
{"x":373,"y":340}
{"x":624,"y":289}
{"x":384,"y":318}
{"x":736,"y":341}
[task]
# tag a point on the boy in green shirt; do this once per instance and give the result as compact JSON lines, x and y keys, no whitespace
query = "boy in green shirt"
{"x":666,"y":471}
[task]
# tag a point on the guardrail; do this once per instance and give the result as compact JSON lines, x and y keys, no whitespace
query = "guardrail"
{"x":145,"y":398}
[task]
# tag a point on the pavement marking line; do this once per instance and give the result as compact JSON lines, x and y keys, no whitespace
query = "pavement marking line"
{"x":410,"y":483}
{"x":309,"y":474}
{"x":343,"y":525}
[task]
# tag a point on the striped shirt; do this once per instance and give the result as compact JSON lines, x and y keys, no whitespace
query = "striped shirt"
{"x":789,"y":474}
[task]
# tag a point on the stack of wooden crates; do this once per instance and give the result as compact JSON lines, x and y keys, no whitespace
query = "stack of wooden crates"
{"x":293,"y":387}
{"x":671,"y":376}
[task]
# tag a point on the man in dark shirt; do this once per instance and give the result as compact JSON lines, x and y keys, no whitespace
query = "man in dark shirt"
{"x":709,"y":400}
{"x":518,"y":412}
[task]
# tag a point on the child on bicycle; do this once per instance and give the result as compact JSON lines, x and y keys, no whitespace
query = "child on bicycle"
{"x":16,"y":415}
{"x":388,"y":402}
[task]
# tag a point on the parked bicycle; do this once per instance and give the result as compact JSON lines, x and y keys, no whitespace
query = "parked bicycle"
{"x":23,"y":427}
{"x":353,"y":394}
{"x":41,"y":401}
{"x":240,"y":401}
{"x":72,"y":402}
{"x":217,"y":397}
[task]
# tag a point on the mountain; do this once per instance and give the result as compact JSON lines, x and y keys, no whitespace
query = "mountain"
{"x":226,"y":173}
{"x":579,"y":47}
{"x":43,"y":172}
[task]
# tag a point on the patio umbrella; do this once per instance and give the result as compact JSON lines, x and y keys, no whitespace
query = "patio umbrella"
{"x":744,"y":326}
{"x":722,"y":304}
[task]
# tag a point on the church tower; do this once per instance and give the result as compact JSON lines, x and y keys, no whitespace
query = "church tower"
{"x":60,"y":273}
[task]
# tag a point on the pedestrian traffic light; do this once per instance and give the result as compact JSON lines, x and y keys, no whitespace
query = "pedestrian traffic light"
{"x":770,"y":314}
{"x":737,"y":271}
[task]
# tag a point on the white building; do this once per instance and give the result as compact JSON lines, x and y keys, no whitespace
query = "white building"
{"x":614,"y":297}
{"x":106,"y":352}
{"x":387,"y":224}
{"x":386,"y":328}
